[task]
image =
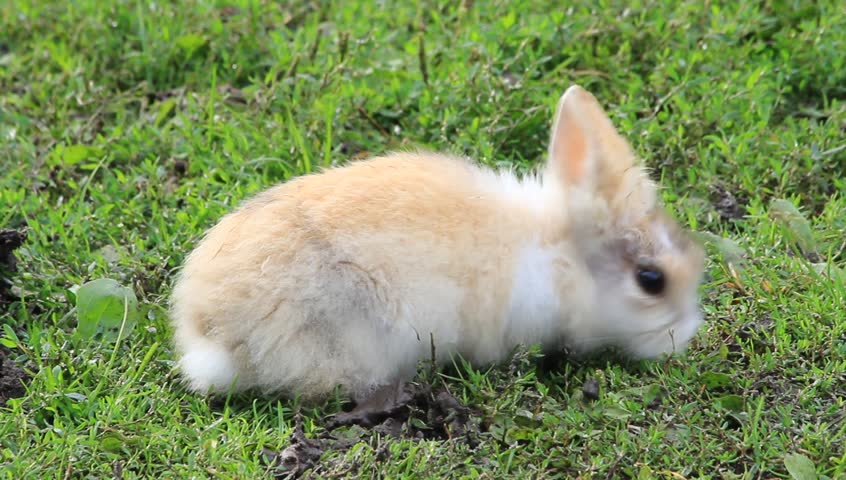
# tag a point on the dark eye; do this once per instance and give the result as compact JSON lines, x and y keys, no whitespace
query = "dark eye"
{"x":651,"y":280}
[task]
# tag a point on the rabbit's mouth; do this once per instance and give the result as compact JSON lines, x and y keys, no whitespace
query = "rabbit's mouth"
{"x":670,"y":337}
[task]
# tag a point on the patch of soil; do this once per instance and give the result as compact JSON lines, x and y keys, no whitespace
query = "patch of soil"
{"x":727,"y":204}
{"x":12,"y":378}
{"x":301,"y":455}
{"x":9,"y":241}
{"x":590,"y":389}
{"x":411,"y":410}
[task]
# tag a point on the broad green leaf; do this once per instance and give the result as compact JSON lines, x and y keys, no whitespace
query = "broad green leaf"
{"x":190,"y":43}
{"x":76,"y":396}
{"x":800,"y":467}
{"x":795,"y":226}
{"x":829,"y":270}
{"x":652,"y":392}
{"x":730,"y":250}
{"x":507,"y":21}
{"x":111,"y":443}
{"x":101,"y":306}
{"x":617,"y":412}
{"x":417,"y":423}
{"x":716,"y":380}
{"x":645,"y":473}
{"x":10,"y":340}
{"x":732,"y":403}
{"x":109,"y":253}
{"x":521,"y":433}
{"x":73,"y":154}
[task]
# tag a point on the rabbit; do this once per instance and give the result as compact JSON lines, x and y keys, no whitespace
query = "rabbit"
{"x":340,"y":279}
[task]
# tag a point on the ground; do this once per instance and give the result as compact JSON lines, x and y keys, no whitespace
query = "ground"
{"x":127,"y":128}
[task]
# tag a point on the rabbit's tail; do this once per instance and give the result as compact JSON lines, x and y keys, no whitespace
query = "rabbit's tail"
{"x":207,"y":366}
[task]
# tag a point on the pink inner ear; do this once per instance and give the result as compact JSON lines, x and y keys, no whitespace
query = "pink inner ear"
{"x":570,"y":150}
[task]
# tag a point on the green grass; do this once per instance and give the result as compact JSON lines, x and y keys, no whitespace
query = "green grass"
{"x":127,"y":128}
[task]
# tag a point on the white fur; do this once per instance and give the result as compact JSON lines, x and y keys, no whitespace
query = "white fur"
{"x":662,"y":237}
{"x":534,"y":312}
{"x":533,"y":192}
{"x":209,"y":366}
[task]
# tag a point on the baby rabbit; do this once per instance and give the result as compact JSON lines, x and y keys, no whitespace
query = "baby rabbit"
{"x":339,"y":278}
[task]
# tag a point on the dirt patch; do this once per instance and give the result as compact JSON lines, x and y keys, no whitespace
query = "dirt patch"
{"x":590,"y":389}
{"x":729,"y":205}
{"x":301,"y":455}
{"x":12,"y":378}
{"x":411,"y":410}
{"x":9,"y":241}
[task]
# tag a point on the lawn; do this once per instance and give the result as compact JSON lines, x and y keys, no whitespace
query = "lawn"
{"x":127,"y":128}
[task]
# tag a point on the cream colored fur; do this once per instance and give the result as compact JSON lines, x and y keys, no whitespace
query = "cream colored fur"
{"x":340,"y":278}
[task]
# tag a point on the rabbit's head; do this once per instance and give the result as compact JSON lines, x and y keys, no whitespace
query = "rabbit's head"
{"x":644,"y":267}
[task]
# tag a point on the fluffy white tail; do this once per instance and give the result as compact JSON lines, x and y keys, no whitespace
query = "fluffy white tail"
{"x":207,"y":366}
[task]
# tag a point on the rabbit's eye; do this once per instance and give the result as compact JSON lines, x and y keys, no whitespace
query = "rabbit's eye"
{"x":650,"y":280}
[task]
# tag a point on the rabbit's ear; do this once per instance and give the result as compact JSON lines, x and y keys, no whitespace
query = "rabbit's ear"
{"x":585,"y":149}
